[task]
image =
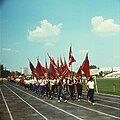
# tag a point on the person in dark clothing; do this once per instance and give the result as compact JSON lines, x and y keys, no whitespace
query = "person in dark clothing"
{"x":31,"y":86}
{"x":47,"y":88}
{"x":61,"y":83}
{"x":79,"y":87}
{"x":70,"y":83}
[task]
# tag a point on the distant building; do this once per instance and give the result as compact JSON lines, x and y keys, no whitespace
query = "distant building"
{"x":109,"y":69}
{"x":116,"y":69}
{"x":106,"y":69}
{"x":113,"y":75}
{"x":94,"y":72}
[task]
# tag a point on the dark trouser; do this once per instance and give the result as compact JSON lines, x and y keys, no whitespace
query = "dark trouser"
{"x":71,"y":91}
{"x":56,"y":87}
{"x":33,"y":88}
{"x":48,"y":91}
{"x":79,"y":91}
{"x":42,"y":90}
{"x":91,"y":94}
{"x":61,"y":90}
{"x":88,"y":94}
{"x":53,"y":89}
{"x":36,"y":89}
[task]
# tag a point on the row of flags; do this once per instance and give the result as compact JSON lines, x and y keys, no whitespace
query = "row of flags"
{"x":56,"y":70}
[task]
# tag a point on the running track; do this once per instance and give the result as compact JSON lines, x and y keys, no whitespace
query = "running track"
{"x":18,"y":104}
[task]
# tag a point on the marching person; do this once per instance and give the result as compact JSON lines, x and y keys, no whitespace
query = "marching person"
{"x":52,"y":82}
{"x":90,"y":86}
{"x":34,"y":86}
{"x":48,"y":88}
{"x":86,"y":88}
{"x":70,"y":83}
{"x":79,"y":87}
{"x":61,"y":83}
{"x":41,"y":87}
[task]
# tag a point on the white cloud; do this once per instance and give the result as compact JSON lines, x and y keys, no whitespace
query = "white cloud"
{"x":6,"y":49}
{"x":83,"y":51}
{"x":101,"y":25}
{"x":9,"y":50}
{"x":45,"y":32}
{"x":48,"y":44}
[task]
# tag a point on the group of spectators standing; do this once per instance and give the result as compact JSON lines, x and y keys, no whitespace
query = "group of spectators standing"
{"x":61,"y":86}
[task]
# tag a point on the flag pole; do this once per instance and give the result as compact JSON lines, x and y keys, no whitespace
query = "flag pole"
{"x":45,"y":66}
{"x":71,"y":69}
{"x":71,"y":53}
{"x":96,"y":84}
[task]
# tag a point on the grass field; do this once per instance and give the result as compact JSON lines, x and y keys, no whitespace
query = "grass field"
{"x":108,"y":85}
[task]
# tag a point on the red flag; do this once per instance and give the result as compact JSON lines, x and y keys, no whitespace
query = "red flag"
{"x":34,"y":72}
{"x":60,"y":69}
{"x":66,"y":71}
{"x":52,"y":70}
{"x":71,"y":58}
{"x":71,"y":61}
{"x":39,"y":69}
{"x":53,"y":67}
{"x":52,"y":61}
{"x":85,"y":66}
{"x":79,"y":72}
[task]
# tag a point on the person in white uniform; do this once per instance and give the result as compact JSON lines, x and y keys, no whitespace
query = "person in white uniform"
{"x":90,"y":86}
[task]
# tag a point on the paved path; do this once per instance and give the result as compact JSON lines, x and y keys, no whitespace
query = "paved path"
{"x":18,"y":104}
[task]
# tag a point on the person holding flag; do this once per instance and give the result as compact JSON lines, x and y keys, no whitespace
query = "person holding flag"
{"x":90,"y":83}
{"x":79,"y":82}
{"x":79,"y":86}
{"x":42,"y":86}
{"x":47,"y":88}
{"x":61,"y":83}
{"x":70,"y":83}
{"x":90,"y":86}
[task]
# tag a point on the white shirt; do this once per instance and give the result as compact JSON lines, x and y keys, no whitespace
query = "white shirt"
{"x":42,"y":82}
{"x":52,"y":82}
{"x":91,"y":84}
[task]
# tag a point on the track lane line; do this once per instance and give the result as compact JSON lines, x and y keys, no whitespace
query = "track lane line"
{"x":27,"y":104}
{"x":103,"y":94}
{"x":104,"y":105}
{"x":117,"y":99}
{"x":11,"y":118}
{"x":72,"y":104}
{"x":47,"y":103}
{"x":93,"y":109}
{"x":98,"y":96}
{"x":107,"y":101}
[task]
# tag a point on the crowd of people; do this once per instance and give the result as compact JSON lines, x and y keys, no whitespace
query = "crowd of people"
{"x":61,"y":87}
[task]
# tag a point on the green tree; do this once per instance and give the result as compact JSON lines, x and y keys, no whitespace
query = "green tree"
{"x":3,"y":72}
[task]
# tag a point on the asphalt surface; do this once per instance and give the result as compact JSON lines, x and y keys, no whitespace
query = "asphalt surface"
{"x":18,"y":104}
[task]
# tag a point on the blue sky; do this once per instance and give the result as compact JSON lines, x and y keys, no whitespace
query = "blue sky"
{"x":34,"y":28}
